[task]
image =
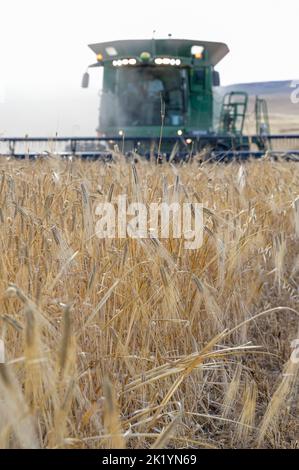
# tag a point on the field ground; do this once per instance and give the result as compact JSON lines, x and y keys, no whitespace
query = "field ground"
{"x":139,"y":343}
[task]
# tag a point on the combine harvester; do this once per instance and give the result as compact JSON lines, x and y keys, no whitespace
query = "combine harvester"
{"x":159,"y":99}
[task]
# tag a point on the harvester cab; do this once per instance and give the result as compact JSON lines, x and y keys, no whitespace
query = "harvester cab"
{"x":149,"y":84}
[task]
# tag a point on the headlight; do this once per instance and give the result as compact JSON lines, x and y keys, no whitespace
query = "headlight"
{"x":145,"y":56}
{"x":197,"y":51}
{"x":167,"y":61}
{"x":118,"y":63}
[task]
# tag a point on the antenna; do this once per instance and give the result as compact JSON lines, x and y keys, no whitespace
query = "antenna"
{"x":153,"y":43}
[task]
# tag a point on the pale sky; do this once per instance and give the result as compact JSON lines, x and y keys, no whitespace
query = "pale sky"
{"x":43,"y":50}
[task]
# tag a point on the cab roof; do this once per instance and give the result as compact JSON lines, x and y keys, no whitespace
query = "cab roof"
{"x":216,"y":51}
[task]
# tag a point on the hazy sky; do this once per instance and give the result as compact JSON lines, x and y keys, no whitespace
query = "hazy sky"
{"x":43,"y":50}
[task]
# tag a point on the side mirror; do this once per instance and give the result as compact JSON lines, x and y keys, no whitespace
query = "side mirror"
{"x":85,"y":80}
{"x":216,"y":78}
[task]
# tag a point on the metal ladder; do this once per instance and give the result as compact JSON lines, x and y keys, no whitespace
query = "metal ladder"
{"x":233,"y":113}
{"x":262,"y":123}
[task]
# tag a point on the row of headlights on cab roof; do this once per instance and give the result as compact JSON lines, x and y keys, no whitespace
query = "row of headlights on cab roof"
{"x":196,"y":52}
{"x":158,"y":61}
{"x":144,"y":58}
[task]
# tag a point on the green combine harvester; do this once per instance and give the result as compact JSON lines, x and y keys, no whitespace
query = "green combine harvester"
{"x":157,"y":92}
{"x":160,"y":98}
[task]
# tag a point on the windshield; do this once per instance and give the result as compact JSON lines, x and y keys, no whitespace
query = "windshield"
{"x":141,"y":93}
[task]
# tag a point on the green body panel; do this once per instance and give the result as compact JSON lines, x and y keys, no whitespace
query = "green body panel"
{"x":200,"y":101}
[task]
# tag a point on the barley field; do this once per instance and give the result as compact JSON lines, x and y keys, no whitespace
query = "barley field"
{"x":139,"y":342}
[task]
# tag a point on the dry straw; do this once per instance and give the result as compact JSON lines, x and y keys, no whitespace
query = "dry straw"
{"x":196,"y":344}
